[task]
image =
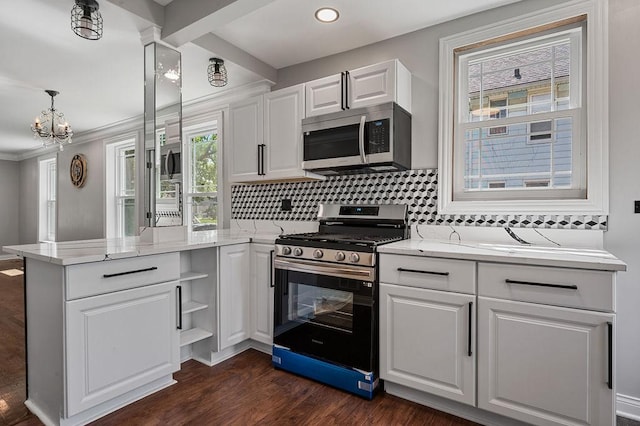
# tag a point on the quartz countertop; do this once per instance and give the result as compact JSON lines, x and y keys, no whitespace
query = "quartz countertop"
{"x":74,"y":252}
{"x":580,"y":258}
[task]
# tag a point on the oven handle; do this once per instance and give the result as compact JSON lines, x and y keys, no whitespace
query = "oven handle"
{"x":363,"y":157}
{"x":340,"y":271}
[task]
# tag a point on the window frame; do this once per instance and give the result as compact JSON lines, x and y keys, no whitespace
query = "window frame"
{"x":114,"y":223}
{"x":596,"y":131}
{"x":47,"y":205}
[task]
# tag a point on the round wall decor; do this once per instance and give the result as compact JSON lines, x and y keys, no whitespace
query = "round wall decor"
{"x":78,"y":170}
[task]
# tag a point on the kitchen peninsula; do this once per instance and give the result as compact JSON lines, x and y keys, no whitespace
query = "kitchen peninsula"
{"x":109,"y":320}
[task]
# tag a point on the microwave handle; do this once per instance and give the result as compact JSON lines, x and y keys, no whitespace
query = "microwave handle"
{"x":363,"y":157}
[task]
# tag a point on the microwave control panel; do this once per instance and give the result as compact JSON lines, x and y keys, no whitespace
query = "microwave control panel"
{"x":378,"y":136}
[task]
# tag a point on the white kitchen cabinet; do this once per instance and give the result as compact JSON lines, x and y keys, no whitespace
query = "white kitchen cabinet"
{"x":266,"y":137}
{"x":119,"y":341}
{"x":246,"y":133}
{"x":262,"y":293}
{"x":427,"y":340}
{"x":233,"y":287}
{"x":545,"y":365}
{"x":388,"y":81}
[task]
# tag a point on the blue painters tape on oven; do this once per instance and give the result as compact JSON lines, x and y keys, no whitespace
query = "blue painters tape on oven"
{"x":359,"y":383}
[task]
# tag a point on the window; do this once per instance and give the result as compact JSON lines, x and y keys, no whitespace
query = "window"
{"x":202,"y":180}
{"x":514,"y":135}
{"x":121,"y":183}
{"x":47,"y":204}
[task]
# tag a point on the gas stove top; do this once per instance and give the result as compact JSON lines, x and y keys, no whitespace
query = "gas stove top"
{"x":350,"y":239}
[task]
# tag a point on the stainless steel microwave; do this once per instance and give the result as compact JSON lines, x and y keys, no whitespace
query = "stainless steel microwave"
{"x":362,"y":140}
{"x":170,"y":162}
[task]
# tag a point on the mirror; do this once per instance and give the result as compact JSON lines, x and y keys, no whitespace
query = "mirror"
{"x":162,"y":160}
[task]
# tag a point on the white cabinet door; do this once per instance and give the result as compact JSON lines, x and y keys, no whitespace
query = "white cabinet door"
{"x":427,"y":341}
{"x":324,"y":95}
{"x":262,"y":293}
{"x":235,"y":274}
{"x":245,"y":137}
{"x":372,"y":85}
{"x":119,"y":341}
{"x":283,"y":111}
{"x":544,"y":365}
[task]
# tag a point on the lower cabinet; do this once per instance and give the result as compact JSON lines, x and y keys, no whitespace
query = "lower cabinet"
{"x":234,"y":278}
{"x":427,"y":340}
{"x":117,"y":342}
{"x":262,"y":293}
{"x":545,"y":364}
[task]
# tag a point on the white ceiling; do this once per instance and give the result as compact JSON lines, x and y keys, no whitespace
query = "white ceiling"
{"x":101,"y":82}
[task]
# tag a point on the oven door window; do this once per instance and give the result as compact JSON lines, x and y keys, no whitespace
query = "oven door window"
{"x":326,"y":317}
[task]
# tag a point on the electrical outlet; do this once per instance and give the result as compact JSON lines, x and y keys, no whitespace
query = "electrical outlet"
{"x":286,"y":205}
{"x":636,"y":205}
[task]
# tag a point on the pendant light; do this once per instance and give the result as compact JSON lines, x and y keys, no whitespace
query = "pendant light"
{"x":51,"y":127}
{"x":217,"y":72}
{"x":86,"y":20}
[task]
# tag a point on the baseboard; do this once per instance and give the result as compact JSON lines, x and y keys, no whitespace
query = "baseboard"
{"x":628,"y":406}
{"x":9,"y":257}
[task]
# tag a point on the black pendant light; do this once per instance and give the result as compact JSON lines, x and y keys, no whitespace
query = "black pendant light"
{"x":86,"y":20}
{"x":217,"y":72}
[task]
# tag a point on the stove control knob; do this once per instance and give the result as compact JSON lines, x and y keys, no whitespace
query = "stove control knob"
{"x":317,"y":253}
{"x":286,"y":250}
{"x":354,"y":257}
{"x":297,"y":251}
{"x":339,"y":256}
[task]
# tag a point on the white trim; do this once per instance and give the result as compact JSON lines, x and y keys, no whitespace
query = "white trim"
{"x":628,"y":406}
{"x":9,"y":157}
{"x":597,"y":113}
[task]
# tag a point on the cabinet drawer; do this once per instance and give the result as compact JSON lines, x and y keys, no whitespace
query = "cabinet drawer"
{"x":577,"y":288}
{"x":90,"y":279}
{"x":427,"y":272}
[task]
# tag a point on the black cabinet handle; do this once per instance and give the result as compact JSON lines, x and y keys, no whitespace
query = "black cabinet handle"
{"x":271,"y":283}
{"x":259,"y":161}
{"x":262,"y":148}
{"x":417,"y":271}
{"x":179,"y":291}
{"x":610,"y":351}
{"x":565,"y":286}
{"x":469,"y":351}
{"x":117,"y":274}
{"x":346,"y":89}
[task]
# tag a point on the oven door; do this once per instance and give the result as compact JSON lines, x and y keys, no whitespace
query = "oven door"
{"x":326,"y":311}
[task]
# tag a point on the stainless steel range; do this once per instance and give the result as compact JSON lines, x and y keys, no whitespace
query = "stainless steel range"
{"x":326,"y":295}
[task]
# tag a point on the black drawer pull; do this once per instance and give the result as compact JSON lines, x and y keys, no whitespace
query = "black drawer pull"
{"x":469,"y":351}
{"x":610,"y":354}
{"x":568,"y":287}
{"x":417,"y":271}
{"x":153,"y":268}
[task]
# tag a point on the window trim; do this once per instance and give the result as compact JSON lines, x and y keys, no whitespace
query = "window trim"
{"x":45,"y":184}
{"x":596,"y":84}
{"x":112,"y":225}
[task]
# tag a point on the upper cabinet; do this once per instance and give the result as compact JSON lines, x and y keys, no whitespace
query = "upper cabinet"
{"x":266,"y":137}
{"x":388,"y":81}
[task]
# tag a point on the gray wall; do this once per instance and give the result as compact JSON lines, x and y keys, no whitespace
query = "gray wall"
{"x":9,"y":202}
{"x":624,"y":185}
{"x":419,"y":52}
{"x":81,"y":211}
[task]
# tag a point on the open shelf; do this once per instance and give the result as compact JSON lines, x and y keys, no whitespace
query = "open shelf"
{"x":191,"y":275}
{"x":193,"y":335}
{"x":191,"y":306}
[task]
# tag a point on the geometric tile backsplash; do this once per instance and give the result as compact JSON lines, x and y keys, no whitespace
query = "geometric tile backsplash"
{"x":416,"y":188}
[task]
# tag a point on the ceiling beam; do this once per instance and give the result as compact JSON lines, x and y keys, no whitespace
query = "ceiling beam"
{"x":148,"y":10}
{"x":187,"y":20}
{"x":231,"y":53}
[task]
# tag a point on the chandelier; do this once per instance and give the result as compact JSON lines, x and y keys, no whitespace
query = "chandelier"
{"x":50,"y":126}
{"x":86,"y":20}
{"x":217,"y":72}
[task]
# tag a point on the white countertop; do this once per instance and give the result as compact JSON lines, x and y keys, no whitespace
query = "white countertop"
{"x":74,"y":252}
{"x":504,"y":253}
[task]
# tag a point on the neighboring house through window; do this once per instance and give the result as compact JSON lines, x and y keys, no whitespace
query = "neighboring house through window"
{"x":47,"y":200}
{"x":514,"y":131}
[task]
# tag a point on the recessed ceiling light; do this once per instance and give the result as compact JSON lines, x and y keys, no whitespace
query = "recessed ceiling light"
{"x":327,"y":14}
